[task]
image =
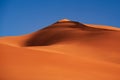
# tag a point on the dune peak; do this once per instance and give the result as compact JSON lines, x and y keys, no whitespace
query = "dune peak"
{"x":64,"y":20}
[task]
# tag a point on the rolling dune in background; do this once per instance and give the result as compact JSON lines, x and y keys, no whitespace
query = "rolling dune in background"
{"x":65,"y":50}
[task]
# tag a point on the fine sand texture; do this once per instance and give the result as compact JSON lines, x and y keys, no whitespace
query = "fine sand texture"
{"x":65,"y":50}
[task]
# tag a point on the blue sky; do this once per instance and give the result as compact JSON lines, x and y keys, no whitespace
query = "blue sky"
{"x":19,"y":17}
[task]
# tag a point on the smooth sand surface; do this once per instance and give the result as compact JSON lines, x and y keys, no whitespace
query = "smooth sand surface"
{"x":65,"y":50}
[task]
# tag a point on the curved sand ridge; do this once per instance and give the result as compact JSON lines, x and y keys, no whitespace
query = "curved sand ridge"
{"x":66,"y":31}
{"x":65,"y":50}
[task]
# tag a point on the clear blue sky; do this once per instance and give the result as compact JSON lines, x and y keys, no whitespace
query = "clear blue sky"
{"x":19,"y":17}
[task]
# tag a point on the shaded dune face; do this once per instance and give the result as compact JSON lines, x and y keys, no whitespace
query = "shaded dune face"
{"x":64,"y":32}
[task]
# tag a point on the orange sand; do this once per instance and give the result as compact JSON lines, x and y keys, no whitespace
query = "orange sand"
{"x":65,"y":50}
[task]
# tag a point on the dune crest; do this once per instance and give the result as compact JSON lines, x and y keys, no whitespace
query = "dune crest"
{"x":65,"y":50}
{"x":64,"y":20}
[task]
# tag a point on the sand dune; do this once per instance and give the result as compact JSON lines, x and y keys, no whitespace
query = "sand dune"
{"x":65,"y":50}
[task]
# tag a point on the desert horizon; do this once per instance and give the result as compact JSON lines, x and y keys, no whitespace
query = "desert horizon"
{"x":64,"y":50}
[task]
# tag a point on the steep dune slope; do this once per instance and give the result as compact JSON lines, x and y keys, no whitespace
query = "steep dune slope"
{"x":65,"y":50}
{"x":66,"y":31}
